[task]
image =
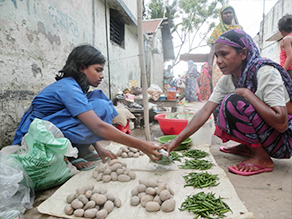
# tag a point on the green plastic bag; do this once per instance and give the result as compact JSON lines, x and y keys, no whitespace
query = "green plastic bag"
{"x":44,"y":160}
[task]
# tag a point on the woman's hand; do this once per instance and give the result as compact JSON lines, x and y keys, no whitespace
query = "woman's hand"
{"x":104,"y":153}
{"x":151,"y":150}
{"x":244,"y":92}
{"x":169,"y":146}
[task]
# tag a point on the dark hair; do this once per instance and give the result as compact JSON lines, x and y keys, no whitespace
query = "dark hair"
{"x":285,"y":23}
{"x":81,"y":56}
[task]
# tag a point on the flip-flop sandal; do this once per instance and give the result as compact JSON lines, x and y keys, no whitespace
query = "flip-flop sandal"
{"x":78,"y":160}
{"x":222,"y":148}
{"x":260,"y":169}
{"x":90,"y":156}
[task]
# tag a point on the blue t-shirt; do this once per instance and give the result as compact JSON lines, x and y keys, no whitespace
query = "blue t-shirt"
{"x":60,"y":103}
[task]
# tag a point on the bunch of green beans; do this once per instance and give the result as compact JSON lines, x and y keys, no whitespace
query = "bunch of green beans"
{"x":195,"y":153}
{"x":174,"y":156}
{"x":205,"y":205}
{"x":197,"y":164}
{"x":201,"y":180}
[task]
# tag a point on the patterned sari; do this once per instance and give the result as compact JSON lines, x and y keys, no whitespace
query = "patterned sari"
{"x":236,"y":119}
{"x":220,"y":29}
{"x":204,"y":82}
{"x":192,"y":87}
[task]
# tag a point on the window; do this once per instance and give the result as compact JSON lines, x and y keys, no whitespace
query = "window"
{"x":117,"y":28}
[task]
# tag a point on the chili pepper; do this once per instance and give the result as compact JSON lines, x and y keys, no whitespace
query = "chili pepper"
{"x":174,"y":156}
{"x":200,"y":180}
{"x":205,"y":205}
{"x":197,"y":164}
{"x":195,"y":153}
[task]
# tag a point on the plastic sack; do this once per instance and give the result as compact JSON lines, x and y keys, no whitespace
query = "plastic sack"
{"x":42,"y":155}
{"x":16,"y":188}
{"x":155,"y":92}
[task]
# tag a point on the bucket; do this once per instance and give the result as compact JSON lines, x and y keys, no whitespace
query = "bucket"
{"x":204,"y":134}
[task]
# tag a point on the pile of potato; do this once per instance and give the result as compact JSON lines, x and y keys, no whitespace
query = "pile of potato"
{"x":125,"y":152}
{"x":153,"y":195}
{"x":91,"y":203}
{"x":114,"y":170}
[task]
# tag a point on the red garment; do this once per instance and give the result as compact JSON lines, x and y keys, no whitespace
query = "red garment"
{"x":283,"y":57}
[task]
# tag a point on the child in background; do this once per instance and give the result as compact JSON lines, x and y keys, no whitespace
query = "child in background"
{"x":285,"y":27}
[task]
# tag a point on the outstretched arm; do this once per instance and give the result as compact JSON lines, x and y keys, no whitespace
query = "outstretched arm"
{"x":107,"y":131}
{"x":197,"y":122}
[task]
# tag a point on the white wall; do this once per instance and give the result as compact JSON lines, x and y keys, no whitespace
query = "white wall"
{"x":35,"y":39}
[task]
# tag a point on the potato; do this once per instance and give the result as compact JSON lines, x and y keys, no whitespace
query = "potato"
{"x":109,"y":206}
{"x":79,"y":213}
{"x":89,"y":187}
{"x":119,"y":153}
{"x":143,"y":181}
{"x":151,"y":183}
{"x":90,"y":204}
{"x":130,"y":154}
{"x":119,"y":171}
{"x":134,"y":150}
{"x":126,"y":171}
{"x":135,"y":200}
{"x":134,"y":191}
{"x":141,"y":153}
{"x":152,"y":206}
{"x":77,"y":204}
{"x":124,"y":155}
{"x":107,"y":171}
{"x":117,"y":202}
{"x":114,"y":176}
{"x":132,"y":175}
{"x":88,"y":194}
{"x":115,"y":167}
{"x":80,"y":191}
{"x":124,"y":178}
{"x":162,"y":186}
{"x":68,"y":209}
{"x":100,"y":168}
{"x":141,"y":194}
{"x":145,"y":199}
{"x":99,"y":177}
{"x":170,"y":190}
{"x":83,"y":199}
{"x":70,"y":198}
{"x":126,"y":150}
{"x":136,"y":155}
{"x":124,"y":164}
{"x":95,"y":174}
{"x":168,"y":205}
{"x":106,"y":178}
{"x":157,"y":199}
{"x":101,"y":214}
{"x":141,"y":188}
{"x":164,"y":195}
{"x":114,"y":161}
{"x":150,"y":191}
{"x":99,"y":199}
{"x":97,"y":190}
{"x":90,"y":213}
{"x":110,"y":196}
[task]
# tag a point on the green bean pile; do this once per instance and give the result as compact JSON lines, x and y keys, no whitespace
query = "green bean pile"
{"x":197,"y":164}
{"x":195,"y":153}
{"x":205,"y":205}
{"x":174,"y":156}
{"x":201,"y":180}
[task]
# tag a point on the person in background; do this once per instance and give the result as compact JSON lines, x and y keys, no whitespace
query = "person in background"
{"x":204,"y":82}
{"x":228,"y":21}
{"x":192,"y":87}
{"x":167,"y":78}
{"x":285,"y":27}
{"x":251,"y":105}
{"x":83,"y":116}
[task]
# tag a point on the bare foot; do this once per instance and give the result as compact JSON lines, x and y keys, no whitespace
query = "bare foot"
{"x":82,"y":164}
{"x":240,"y":149}
{"x":260,"y":159}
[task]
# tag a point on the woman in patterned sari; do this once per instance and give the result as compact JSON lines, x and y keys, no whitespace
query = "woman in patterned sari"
{"x":251,"y":104}
{"x":204,"y":82}
{"x":192,"y":87}
{"x":228,"y":21}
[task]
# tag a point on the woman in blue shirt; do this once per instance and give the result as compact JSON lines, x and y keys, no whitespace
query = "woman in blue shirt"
{"x":84,"y":117}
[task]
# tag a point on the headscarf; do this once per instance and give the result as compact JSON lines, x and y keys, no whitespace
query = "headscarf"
{"x":248,"y":77}
{"x":222,"y":27}
{"x":192,"y":68}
